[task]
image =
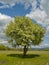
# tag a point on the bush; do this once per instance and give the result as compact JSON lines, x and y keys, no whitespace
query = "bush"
{"x":3,"y":47}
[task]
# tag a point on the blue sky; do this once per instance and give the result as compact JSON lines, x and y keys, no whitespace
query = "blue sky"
{"x":17,"y":10}
{"x":34,"y":9}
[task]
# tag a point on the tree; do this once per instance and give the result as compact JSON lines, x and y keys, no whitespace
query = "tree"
{"x":23,"y":31}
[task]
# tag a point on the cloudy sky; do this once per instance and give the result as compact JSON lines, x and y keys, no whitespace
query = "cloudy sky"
{"x":37,"y":10}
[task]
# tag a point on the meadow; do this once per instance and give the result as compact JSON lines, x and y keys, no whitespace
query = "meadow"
{"x":16,"y":58}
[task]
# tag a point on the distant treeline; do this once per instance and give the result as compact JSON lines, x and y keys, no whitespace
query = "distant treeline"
{"x":3,"y":47}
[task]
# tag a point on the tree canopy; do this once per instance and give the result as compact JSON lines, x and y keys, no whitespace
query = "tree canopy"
{"x":23,"y":31}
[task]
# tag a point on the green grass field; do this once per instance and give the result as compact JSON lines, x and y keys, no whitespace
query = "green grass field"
{"x":16,"y":58}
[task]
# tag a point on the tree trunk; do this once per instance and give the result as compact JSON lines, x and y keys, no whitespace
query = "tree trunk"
{"x":25,"y":50}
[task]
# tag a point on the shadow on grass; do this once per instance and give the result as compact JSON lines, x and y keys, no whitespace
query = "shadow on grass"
{"x":21,"y":56}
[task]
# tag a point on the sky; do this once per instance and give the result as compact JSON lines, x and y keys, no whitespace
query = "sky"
{"x":38,"y":10}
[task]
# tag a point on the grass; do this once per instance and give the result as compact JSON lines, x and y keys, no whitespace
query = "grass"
{"x":16,"y":58}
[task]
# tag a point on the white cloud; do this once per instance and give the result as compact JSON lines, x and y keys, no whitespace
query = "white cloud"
{"x":37,"y":15}
{"x":4,"y":17}
{"x":47,"y":32}
{"x":4,"y":6}
{"x":45,"y":5}
{"x":43,"y":45}
{"x":10,"y":3}
{"x":41,"y":14}
{"x":4,"y":42}
{"x":4,"y":20}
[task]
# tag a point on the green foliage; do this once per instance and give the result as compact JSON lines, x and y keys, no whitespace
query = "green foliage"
{"x":22,"y":31}
{"x":39,"y":33}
